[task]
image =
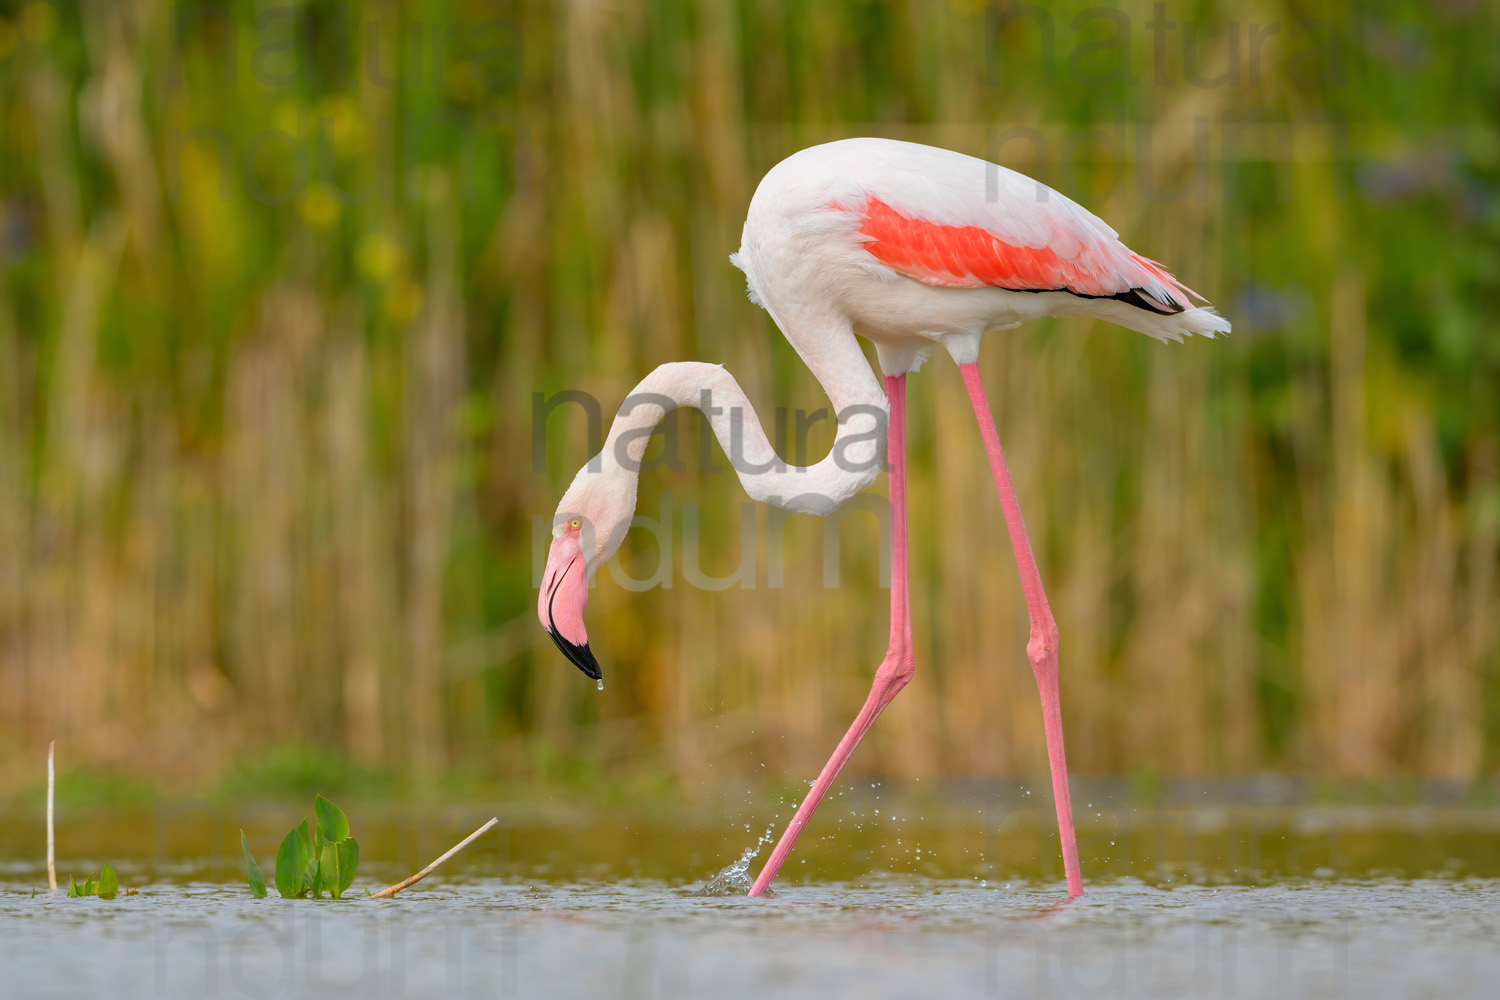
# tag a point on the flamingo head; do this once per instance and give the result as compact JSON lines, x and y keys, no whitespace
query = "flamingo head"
{"x":588,"y":527}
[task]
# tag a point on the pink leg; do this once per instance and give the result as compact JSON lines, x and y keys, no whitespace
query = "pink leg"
{"x":896,"y":670}
{"x":1041,"y":649}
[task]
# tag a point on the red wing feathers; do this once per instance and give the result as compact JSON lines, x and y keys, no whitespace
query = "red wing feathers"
{"x":973,"y":257}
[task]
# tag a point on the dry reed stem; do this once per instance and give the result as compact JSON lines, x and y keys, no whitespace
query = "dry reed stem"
{"x":51,"y":856}
{"x":390,"y":891}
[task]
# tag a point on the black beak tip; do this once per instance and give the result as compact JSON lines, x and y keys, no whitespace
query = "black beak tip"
{"x":580,"y":656}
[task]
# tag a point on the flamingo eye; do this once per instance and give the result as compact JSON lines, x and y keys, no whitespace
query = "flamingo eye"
{"x":575,"y":524}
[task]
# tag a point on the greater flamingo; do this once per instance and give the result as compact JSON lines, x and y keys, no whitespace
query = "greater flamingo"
{"x":911,"y":247}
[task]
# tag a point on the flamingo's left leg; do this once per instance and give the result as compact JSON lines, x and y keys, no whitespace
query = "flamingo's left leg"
{"x":1041,"y":649}
{"x":899,"y":665}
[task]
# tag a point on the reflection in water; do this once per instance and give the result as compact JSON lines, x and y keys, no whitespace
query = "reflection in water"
{"x":1056,"y":909}
{"x":911,"y":936}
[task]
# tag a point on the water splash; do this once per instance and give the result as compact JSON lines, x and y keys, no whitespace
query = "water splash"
{"x":735,"y":880}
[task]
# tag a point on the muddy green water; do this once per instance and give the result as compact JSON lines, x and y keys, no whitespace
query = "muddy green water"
{"x":1221,"y":901}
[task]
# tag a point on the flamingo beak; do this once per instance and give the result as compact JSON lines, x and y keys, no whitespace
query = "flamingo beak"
{"x":560,"y":604}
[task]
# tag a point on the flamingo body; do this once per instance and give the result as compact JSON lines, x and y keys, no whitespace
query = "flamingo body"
{"x":919,"y":246}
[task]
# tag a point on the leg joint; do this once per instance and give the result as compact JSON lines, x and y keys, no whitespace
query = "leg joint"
{"x":1042,"y":647}
{"x":898,"y":667}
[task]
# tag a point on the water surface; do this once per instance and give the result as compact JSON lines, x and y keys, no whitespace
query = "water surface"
{"x":1245,"y":903}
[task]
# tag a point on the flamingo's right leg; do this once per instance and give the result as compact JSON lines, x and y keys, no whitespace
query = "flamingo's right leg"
{"x":897,"y":668}
{"x":1041,"y":649}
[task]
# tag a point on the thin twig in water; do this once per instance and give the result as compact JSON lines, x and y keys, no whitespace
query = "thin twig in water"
{"x":51,"y":858}
{"x":390,"y":891}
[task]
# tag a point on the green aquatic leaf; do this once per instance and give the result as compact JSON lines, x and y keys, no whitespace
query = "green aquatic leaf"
{"x":332,"y":823}
{"x":348,"y":853}
{"x":73,"y":888}
{"x":252,"y":870}
{"x":305,"y":833}
{"x":312,"y":879}
{"x":316,"y":881}
{"x":109,"y":883}
{"x":310,"y":884}
{"x":328,"y":870}
{"x":291,"y":862}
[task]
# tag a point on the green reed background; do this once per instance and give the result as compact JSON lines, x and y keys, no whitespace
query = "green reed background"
{"x":272,"y":317}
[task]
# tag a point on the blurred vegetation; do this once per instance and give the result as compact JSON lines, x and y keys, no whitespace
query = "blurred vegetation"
{"x":278,"y":282}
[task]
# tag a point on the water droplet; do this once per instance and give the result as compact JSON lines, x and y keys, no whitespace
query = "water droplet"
{"x":600,"y":683}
